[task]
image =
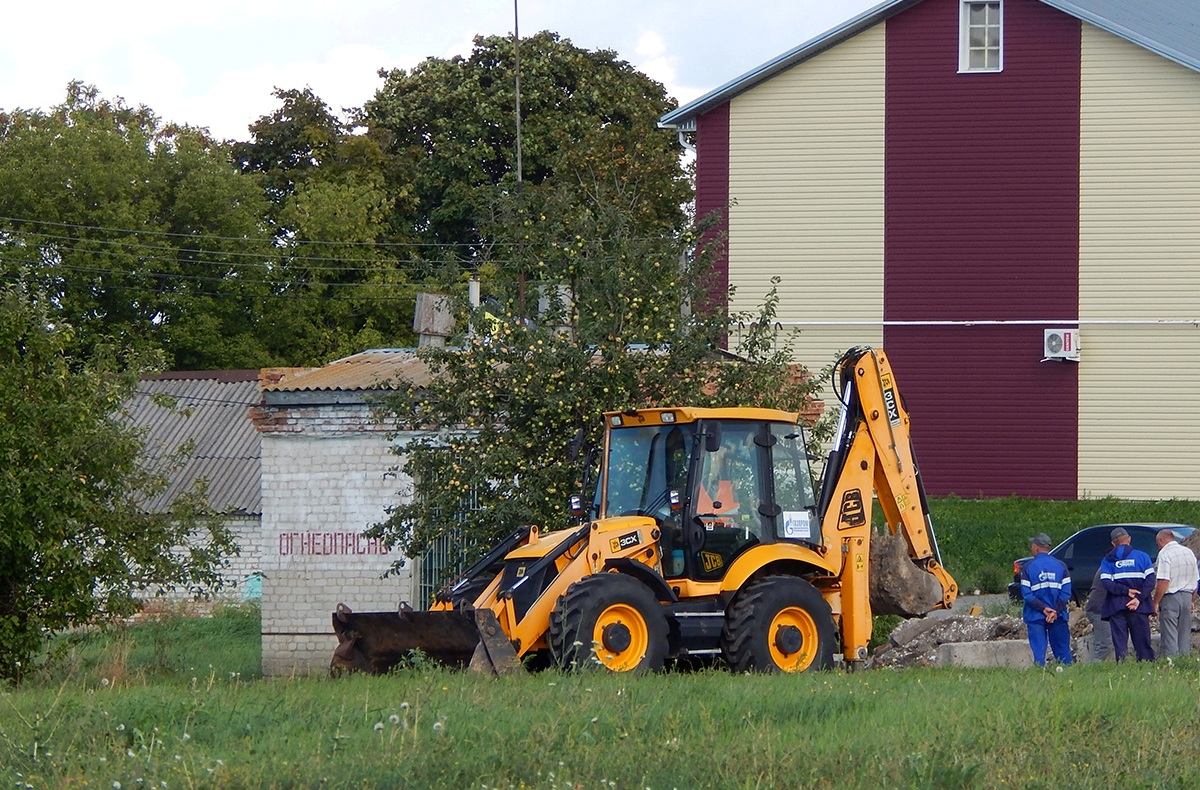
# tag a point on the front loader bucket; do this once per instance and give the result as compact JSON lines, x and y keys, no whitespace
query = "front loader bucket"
{"x":376,"y":642}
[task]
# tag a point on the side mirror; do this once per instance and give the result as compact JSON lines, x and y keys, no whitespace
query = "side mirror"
{"x":712,"y":437}
{"x":576,"y":445}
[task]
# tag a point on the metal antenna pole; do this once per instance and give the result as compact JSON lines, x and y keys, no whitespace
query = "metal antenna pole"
{"x":517,"y":83}
{"x":520,"y":201}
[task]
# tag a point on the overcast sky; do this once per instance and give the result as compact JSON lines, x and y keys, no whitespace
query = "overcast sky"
{"x":216,"y":63}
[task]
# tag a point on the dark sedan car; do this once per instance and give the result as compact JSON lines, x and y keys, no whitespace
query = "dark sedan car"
{"x":1082,"y":552}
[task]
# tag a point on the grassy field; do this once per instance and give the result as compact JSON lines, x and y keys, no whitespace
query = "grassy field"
{"x":180,"y":703}
{"x":129,"y":711}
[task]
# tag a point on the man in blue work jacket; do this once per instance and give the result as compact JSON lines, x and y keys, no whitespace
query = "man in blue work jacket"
{"x":1128,"y":577}
{"x":1046,"y":588}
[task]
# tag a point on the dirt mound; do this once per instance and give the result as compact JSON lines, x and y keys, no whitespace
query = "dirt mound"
{"x":915,"y":642}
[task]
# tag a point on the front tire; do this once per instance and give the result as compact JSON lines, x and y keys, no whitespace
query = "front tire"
{"x":779,"y":624}
{"x":612,"y":621}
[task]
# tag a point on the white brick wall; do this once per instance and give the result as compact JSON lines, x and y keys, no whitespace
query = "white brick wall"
{"x":248,"y":533}
{"x":325,"y":478}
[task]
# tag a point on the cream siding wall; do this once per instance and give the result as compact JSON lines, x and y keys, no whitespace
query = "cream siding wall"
{"x":806,"y":179}
{"x":1139,"y":384}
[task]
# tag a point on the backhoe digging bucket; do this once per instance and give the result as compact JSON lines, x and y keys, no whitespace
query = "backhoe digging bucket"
{"x":898,"y":585}
{"x":375,"y":642}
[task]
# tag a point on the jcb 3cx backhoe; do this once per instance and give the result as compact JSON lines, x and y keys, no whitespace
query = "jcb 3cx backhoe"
{"x":706,"y":537}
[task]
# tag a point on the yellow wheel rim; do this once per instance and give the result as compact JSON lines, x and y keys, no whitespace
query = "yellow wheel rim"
{"x":793,"y":639}
{"x":620,"y":637}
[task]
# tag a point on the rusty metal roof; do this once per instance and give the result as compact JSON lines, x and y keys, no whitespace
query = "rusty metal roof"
{"x":368,"y":370}
{"x":210,"y":412}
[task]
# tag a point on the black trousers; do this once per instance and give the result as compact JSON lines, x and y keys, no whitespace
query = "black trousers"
{"x":1126,"y":624}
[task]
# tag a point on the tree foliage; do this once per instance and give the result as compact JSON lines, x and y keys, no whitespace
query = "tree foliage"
{"x":342,"y":280}
{"x":585,"y":115}
{"x":506,"y":404}
{"x":271,"y":252}
{"x":76,"y":544}
{"x":589,"y":274}
{"x":135,"y":229}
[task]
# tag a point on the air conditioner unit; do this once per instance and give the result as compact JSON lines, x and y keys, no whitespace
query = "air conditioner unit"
{"x":1061,"y":344}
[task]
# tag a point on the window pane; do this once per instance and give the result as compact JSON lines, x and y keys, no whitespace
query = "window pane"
{"x":981,"y":36}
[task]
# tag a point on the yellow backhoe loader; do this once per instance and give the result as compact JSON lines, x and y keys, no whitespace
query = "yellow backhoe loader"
{"x":706,"y":537}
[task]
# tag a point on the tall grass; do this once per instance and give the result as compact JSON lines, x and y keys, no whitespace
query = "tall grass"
{"x":187,"y":715}
{"x":1089,"y":726}
{"x":164,"y":647}
{"x":179,"y":703}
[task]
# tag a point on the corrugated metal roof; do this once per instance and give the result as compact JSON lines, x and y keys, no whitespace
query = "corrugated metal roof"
{"x":369,"y":370}
{"x":210,"y":411}
{"x":1170,"y":28}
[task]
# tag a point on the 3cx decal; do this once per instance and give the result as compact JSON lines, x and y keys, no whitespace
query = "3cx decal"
{"x":889,"y":399}
{"x":624,"y":541}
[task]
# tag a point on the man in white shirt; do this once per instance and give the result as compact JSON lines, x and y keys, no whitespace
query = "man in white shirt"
{"x":1176,"y":576}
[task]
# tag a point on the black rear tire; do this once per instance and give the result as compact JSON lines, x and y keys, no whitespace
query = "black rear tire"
{"x":779,"y":624}
{"x":612,"y":621}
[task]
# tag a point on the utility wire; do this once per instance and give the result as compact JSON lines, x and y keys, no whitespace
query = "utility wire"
{"x":274,"y":240}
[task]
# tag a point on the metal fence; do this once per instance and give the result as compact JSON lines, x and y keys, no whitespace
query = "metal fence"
{"x":449,"y":555}
{"x":445,"y":560}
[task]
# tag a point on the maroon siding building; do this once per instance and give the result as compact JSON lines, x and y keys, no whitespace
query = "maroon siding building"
{"x":979,"y":157}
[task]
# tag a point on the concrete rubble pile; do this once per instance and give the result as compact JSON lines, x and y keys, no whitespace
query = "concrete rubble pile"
{"x":916,"y":643}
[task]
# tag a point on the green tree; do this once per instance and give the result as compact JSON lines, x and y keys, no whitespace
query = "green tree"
{"x":136,"y":229}
{"x":585,"y":116}
{"x":505,"y":405}
{"x":589,"y":267}
{"x":75,"y":542}
{"x":342,"y":280}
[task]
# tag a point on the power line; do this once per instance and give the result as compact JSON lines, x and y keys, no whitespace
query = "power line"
{"x":274,"y":242}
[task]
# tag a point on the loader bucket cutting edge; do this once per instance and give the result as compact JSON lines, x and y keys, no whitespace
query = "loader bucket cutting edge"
{"x":376,"y":642}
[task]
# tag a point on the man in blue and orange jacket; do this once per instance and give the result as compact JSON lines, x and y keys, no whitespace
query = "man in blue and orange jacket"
{"x":1128,"y":578}
{"x":1046,"y":588}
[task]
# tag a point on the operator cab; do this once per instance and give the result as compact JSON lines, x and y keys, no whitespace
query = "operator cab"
{"x":715,"y":485}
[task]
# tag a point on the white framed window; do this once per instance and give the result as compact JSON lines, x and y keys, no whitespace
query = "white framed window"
{"x":981,"y":37}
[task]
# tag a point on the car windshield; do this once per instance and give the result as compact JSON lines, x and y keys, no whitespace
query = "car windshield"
{"x":644,"y":464}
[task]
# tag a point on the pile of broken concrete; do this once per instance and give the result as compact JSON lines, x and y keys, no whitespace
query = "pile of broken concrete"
{"x":934,"y":641}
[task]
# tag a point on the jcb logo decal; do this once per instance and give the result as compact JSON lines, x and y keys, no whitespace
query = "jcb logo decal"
{"x":853,"y":514}
{"x":889,"y":399}
{"x":624,"y":541}
{"x":711,"y":561}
